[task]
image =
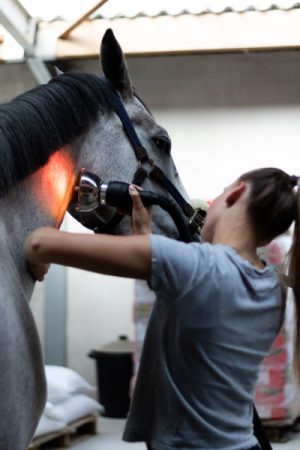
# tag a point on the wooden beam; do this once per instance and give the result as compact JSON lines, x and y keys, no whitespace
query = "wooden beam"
{"x":80,"y":19}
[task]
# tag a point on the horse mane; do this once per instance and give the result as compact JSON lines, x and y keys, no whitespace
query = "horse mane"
{"x":40,"y":121}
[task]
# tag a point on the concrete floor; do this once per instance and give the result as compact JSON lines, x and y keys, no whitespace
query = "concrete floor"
{"x":109,"y":437}
{"x":110,"y":432}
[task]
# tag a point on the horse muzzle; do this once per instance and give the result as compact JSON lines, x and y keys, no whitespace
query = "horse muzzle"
{"x":91,"y":194}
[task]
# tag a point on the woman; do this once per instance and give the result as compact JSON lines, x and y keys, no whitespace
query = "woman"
{"x":218,"y":310}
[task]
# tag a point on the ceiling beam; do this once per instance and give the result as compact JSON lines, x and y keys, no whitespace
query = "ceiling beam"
{"x":65,"y":33}
{"x":18,"y":22}
{"x":39,"y":69}
{"x":22,"y":27}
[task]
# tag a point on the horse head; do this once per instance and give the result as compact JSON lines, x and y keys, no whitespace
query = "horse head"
{"x":107,"y":151}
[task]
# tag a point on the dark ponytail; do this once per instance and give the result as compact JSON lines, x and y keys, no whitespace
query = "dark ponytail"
{"x":294,"y":272}
{"x":273,"y":205}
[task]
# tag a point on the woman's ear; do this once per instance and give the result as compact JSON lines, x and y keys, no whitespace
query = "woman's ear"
{"x":235,"y":193}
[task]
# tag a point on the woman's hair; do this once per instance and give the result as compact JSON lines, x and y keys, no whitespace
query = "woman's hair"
{"x":273,"y":205}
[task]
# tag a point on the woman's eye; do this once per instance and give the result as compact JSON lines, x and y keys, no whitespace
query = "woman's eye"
{"x":162,"y":143}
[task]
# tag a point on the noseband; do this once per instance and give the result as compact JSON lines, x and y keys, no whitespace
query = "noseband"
{"x":146,"y":168}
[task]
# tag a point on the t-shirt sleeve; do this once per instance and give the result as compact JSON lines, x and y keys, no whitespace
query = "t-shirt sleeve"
{"x":177,"y":266}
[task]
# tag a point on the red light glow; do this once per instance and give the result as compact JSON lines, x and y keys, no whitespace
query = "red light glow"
{"x":55,"y":182}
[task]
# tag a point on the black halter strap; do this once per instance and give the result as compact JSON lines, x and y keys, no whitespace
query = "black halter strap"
{"x":140,"y":152}
{"x":154,"y":172}
{"x":157,"y":174}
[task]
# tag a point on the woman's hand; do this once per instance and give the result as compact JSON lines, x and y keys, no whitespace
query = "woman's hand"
{"x":38,"y":271}
{"x":36,"y":266}
{"x":140,"y":216}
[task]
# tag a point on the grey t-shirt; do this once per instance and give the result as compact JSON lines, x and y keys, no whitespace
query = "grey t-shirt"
{"x":214,"y":320}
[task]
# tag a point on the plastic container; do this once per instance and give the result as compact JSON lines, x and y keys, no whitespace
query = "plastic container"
{"x":114,"y":372}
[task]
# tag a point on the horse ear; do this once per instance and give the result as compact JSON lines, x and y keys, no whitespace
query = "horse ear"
{"x":114,"y":65}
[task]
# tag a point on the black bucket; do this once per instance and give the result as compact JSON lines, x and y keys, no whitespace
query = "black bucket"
{"x":114,"y":372}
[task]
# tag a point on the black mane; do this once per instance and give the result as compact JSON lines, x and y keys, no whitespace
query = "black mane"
{"x":44,"y":119}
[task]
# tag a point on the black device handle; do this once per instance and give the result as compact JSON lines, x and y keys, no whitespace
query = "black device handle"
{"x":117,"y":195}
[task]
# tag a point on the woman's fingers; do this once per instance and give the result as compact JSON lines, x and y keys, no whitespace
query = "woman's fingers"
{"x":140,"y":216}
{"x":135,"y":197}
{"x":38,"y":271}
{"x":128,"y":211}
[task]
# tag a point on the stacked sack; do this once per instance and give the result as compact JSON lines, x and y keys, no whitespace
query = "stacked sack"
{"x":67,"y":400}
{"x":276,"y":396}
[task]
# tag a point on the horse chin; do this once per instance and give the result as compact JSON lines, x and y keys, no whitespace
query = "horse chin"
{"x":160,"y":225}
{"x":91,"y":221}
{"x":124,"y":230}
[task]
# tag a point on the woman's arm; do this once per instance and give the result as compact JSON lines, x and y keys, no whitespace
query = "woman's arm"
{"x":124,"y":256}
{"x":112,"y":255}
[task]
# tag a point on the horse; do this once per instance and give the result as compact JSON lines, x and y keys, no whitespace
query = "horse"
{"x":47,"y":135}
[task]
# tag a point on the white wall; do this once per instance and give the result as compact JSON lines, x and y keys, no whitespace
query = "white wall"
{"x":211,"y":147}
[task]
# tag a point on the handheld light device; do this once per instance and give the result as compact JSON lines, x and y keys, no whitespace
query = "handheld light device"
{"x":92,"y":193}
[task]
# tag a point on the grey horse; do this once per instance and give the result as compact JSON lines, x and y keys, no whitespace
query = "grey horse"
{"x":46,"y":135}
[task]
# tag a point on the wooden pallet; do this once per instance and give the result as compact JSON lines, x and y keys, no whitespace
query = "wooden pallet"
{"x":280,"y":430}
{"x":63,"y":438}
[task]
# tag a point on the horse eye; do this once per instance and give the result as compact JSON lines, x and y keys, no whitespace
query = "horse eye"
{"x":162,"y":143}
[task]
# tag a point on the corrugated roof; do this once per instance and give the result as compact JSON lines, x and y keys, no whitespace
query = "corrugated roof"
{"x":49,"y":10}
{"x":179,"y":27}
{"x":144,"y":8}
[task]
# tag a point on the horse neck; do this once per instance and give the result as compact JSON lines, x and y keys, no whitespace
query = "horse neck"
{"x":18,"y":217}
{"x":40,"y":200}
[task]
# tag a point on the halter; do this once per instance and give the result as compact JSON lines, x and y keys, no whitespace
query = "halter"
{"x":196,"y":216}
